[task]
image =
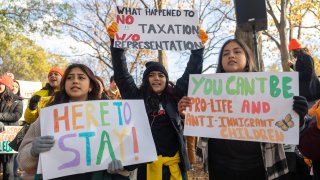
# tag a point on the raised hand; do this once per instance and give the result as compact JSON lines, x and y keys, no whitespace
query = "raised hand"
{"x":112,"y":29}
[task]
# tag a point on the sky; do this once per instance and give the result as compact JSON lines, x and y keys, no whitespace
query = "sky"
{"x":68,"y":47}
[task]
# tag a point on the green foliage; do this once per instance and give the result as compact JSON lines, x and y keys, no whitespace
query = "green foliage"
{"x":27,"y":61}
{"x":45,"y":16}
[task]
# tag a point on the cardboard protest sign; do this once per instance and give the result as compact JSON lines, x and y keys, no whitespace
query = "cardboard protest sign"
{"x":244,"y":106}
{"x":157,"y":29}
{"x":91,"y":134}
{"x":6,"y":137}
{"x":27,"y":88}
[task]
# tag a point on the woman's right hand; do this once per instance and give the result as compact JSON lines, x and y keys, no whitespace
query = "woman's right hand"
{"x":290,"y":63}
{"x":183,"y":104}
{"x":112,"y":29}
{"x":41,"y":144}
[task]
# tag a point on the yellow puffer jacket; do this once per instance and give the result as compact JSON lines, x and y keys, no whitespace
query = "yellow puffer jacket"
{"x":31,"y":115}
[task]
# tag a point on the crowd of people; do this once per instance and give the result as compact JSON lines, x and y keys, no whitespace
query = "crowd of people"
{"x":165,"y":105}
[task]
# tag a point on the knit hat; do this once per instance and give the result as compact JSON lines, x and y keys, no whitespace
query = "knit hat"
{"x":154,"y":66}
{"x":56,"y":69}
{"x":294,"y":44}
{"x":7,"y":81}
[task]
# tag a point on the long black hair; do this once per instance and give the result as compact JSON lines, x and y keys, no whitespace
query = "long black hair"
{"x":151,"y":99}
{"x":250,"y":65}
{"x":62,"y":97}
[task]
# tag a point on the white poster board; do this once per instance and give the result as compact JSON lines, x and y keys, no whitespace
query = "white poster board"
{"x":6,"y":137}
{"x":27,"y":88}
{"x":91,"y":134}
{"x":244,"y":106}
{"x":157,"y":29}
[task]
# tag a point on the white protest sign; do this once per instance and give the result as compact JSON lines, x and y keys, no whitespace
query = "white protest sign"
{"x":6,"y":137}
{"x":27,"y":88}
{"x":244,"y":106}
{"x":157,"y":29}
{"x":91,"y":134}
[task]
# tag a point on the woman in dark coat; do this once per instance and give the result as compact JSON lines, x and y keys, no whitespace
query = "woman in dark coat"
{"x":160,"y":98}
{"x":10,"y":112}
{"x":309,"y":85}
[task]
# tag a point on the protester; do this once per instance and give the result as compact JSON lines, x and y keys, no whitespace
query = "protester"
{"x":309,"y":143}
{"x":103,"y":92}
{"x":113,"y":91}
{"x":40,"y":98}
{"x":235,"y":159}
{"x":77,"y":84}
{"x":10,"y":112}
{"x":16,"y":89}
{"x":309,"y":85}
{"x":16,"y":92}
{"x":160,"y":97}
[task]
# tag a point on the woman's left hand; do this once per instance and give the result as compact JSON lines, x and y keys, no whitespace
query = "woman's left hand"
{"x":183,"y":104}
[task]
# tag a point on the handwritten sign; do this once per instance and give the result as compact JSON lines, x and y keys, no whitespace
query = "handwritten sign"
{"x":6,"y":137}
{"x":27,"y":88}
{"x":157,"y":29}
{"x":91,"y":134}
{"x":244,"y":106}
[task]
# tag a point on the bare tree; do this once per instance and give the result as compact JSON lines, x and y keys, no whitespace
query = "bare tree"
{"x":89,"y":27}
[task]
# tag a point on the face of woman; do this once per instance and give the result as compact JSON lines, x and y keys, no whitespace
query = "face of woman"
{"x":157,"y":81}
{"x":15,"y":88}
{"x":54,"y":80}
{"x":77,"y":85}
{"x":233,"y":58}
{"x":2,"y":88}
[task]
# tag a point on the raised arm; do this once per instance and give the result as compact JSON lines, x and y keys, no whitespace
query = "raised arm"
{"x":124,"y":80}
{"x":194,"y":66}
{"x":122,"y":77}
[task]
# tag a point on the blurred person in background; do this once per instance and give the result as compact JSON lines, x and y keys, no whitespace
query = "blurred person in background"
{"x":40,"y":98}
{"x":10,"y":112}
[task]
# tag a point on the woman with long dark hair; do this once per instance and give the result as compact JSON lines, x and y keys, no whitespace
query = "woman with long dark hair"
{"x":160,"y":97}
{"x":10,"y":112}
{"x":243,"y":160}
{"x":77,"y":84}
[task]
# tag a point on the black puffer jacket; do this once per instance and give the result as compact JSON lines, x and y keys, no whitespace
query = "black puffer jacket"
{"x":9,"y":115}
{"x":129,"y":90}
{"x":309,"y":85}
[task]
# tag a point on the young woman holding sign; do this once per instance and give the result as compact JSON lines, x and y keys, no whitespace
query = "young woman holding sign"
{"x":77,"y":84}
{"x":160,"y":98}
{"x":243,"y":160}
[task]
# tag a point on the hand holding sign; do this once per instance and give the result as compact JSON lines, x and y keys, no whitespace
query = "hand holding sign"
{"x":182,"y":105}
{"x":115,"y":166}
{"x":300,"y":105}
{"x":41,"y":144}
{"x":203,"y":36}
{"x":112,"y":29}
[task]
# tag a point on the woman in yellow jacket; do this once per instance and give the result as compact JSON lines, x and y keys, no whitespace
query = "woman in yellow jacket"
{"x":40,"y":98}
